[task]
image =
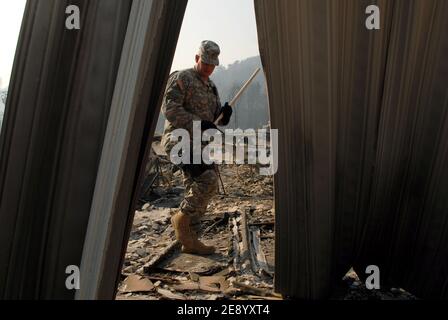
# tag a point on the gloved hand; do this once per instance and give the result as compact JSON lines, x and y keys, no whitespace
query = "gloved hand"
{"x":227,"y":112}
{"x":206,"y":125}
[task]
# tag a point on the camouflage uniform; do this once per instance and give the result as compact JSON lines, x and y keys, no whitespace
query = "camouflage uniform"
{"x":188,"y":98}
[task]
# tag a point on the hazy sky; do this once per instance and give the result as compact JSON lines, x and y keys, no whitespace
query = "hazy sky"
{"x":230,"y":23}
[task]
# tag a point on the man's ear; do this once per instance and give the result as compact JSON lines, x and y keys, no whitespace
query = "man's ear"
{"x":196,"y":58}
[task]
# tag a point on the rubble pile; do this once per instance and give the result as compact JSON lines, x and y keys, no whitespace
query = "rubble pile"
{"x":239,"y":223}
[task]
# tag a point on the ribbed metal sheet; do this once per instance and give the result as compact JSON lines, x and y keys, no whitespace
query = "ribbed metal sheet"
{"x":56,"y":116}
{"x":148,"y":51}
{"x":406,"y":218}
{"x":362,"y":141}
{"x":59,"y":167}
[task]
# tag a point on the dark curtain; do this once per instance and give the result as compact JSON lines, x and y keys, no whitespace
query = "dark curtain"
{"x":362,"y":142}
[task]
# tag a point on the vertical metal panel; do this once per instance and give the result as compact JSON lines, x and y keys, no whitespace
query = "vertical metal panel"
{"x":361,"y":119}
{"x":325,"y":105}
{"x":56,"y":112}
{"x":407,"y":218}
{"x":145,"y":64}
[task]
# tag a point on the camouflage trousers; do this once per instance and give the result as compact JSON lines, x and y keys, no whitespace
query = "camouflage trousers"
{"x":198,"y":193}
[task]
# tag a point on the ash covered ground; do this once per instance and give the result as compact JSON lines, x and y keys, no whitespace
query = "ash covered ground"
{"x":239,"y":223}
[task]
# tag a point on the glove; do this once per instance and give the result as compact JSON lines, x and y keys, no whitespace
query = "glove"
{"x":226,"y":112}
{"x":206,"y":125}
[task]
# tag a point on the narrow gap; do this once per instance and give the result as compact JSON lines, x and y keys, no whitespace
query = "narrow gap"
{"x":239,"y":219}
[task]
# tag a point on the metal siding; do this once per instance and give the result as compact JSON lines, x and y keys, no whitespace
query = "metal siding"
{"x":60,"y":93}
{"x":361,"y":119}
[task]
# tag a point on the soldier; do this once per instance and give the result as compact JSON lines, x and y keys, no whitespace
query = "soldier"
{"x":192,"y":96}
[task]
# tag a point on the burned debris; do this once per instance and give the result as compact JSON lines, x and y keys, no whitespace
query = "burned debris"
{"x":240,"y":224}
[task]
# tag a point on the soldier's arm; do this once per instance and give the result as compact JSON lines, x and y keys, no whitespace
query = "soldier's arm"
{"x":227,"y":113}
{"x":218,"y":109}
{"x":173,"y":105}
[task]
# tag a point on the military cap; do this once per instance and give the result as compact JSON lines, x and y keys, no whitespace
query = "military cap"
{"x":209,"y":52}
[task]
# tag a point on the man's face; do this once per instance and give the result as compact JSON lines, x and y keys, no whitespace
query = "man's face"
{"x":205,"y":70}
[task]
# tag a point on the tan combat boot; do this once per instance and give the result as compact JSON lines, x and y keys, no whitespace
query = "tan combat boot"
{"x":188,"y":238}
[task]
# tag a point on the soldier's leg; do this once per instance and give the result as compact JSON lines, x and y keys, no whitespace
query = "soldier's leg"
{"x":198,"y":193}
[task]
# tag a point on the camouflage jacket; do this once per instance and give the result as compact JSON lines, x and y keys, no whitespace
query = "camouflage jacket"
{"x":188,"y":98}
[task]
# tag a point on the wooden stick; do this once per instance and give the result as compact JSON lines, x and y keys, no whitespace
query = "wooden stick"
{"x":240,"y":93}
{"x":236,"y":245}
{"x":246,"y":254}
{"x":250,"y":289}
{"x":157,"y":259}
{"x":259,"y":255}
{"x":225,"y":217}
